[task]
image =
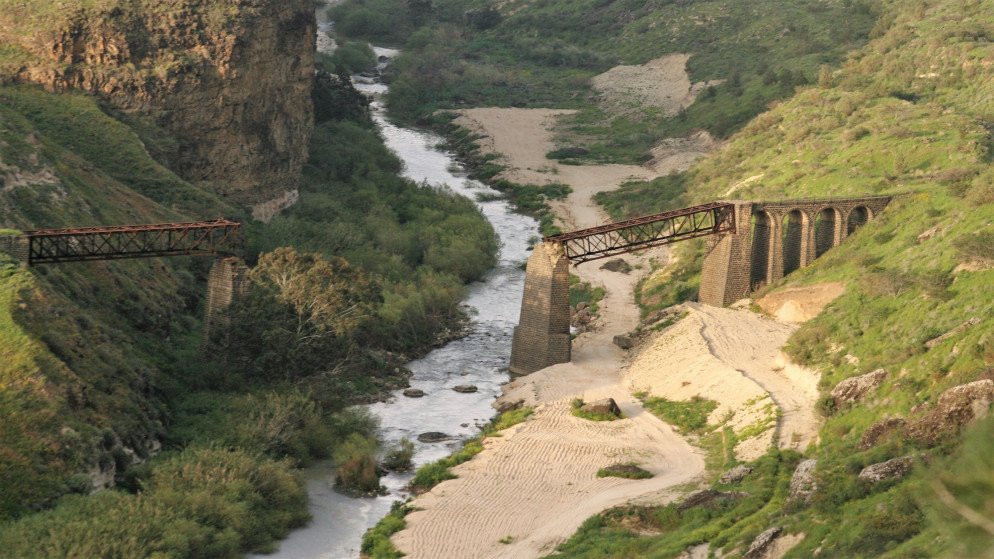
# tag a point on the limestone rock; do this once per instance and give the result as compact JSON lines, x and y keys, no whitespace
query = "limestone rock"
{"x":235,"y":92}
{"x":854,"y":388}
{"x":708,"y":498}
{"x":433,"y":437}
{"x":414,"y":393}
{"x":877,"y":431}
{"x":803,"y":484}
{"x":735,"y":475}
{"x":465,"y":388}
{"x":607,"y":406}
{"x":895,"y":468}
{"x":757,"y":549}
{"x":954,"y":408}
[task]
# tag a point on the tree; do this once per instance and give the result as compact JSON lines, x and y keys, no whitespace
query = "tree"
{"x":300,"y":314}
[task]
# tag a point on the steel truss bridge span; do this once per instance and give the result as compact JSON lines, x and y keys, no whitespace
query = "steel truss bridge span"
{"x":47,"y":246}
{"x":645,"y":232}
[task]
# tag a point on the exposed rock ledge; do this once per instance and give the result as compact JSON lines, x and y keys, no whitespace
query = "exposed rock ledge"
{"x":229,"y":79}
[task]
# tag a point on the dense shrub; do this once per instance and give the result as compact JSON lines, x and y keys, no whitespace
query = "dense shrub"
{"x":203,"y":502}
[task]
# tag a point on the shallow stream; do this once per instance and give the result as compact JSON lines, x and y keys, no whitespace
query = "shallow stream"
{"x":479,"y":359}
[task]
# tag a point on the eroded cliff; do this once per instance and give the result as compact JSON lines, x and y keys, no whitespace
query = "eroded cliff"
{"x":229,"y":79}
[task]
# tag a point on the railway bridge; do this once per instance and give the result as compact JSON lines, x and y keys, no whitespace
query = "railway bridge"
{"x":216,"y":238}
{"x":749,"y":244}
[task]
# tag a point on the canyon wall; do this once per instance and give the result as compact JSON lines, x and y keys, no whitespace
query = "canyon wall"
{"x":230,"y":80}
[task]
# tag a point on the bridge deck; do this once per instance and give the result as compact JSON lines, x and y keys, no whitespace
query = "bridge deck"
{"x":645,"y":232}
{"x":129,"y":241}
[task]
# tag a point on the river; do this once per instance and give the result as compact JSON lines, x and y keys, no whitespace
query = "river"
{"x":480,"y":358}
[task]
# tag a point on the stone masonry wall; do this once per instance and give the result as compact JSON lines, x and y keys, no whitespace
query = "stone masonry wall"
{"x":542,"y":337}
{"x":17,"y":246}
{"x":726,"y":269}
{"x":226,"y":280}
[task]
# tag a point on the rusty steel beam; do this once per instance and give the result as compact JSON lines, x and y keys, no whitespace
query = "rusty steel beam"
{"x":130,"y":241}
{"x":646,"y":232}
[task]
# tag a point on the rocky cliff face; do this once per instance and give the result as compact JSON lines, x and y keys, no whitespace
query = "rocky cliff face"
{"x":229,"y":79}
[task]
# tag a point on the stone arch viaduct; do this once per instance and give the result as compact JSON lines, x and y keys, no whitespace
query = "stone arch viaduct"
{"x":750,"y":244}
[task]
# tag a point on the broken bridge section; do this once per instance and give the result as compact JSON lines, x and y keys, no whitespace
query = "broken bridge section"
{"x":46,"y":246}
{"x":646,"y":232}
{"x":219,"y":237}
{"x":750,"y":244}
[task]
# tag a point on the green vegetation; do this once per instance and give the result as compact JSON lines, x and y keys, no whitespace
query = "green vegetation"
{"x":101,"y":359}
{"x":583,"y":292}
{"x":356,"y":461}
{"x":544,"y":54}
{"x":202,"y":502}
{"x":627,"y":471}
{"x":400,"y":457}
{"x":727,"y":524}
{"x":376,"y":541}
{"x":690,"y":416}
{"x":432,"y":474}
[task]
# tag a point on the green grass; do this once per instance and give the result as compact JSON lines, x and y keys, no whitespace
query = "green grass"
{"x":642,"y":474}
{"x":583,"y":292}
{"x":690,"y":416}
{"x":376,"y":542}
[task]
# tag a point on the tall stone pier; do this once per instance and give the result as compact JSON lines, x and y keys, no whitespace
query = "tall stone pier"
{"x":542,"y":337}
{"x":226,"y":280}
{"x":724,"y":275}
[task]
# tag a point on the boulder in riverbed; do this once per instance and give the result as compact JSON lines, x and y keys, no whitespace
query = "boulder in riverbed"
{"x":433,"y":437}
{"x":414,"y":393}
{"x":465,"y":388}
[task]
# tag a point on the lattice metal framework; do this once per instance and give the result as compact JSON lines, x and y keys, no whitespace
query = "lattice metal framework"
{"x":130,"y":241}
{"x":645,"y":232}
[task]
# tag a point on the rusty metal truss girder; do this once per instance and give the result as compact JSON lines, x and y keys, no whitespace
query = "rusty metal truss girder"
{"x":129,"y":241}
{"x":646,"y":232}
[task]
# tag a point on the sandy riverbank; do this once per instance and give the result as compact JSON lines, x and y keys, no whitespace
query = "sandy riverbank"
{"x":530,"y":489}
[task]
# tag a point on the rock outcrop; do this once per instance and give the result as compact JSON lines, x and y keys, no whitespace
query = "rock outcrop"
{"x":761,"y":544}
{"x":895,"y":468}
{"x":878,"y":431}
{"x":854,"y":388}
{"x":709,"y":498}
{"x":954,"y":408}
{"x":735,"y":475}
{"x":803,"y":484}
{"x":230,"y":80}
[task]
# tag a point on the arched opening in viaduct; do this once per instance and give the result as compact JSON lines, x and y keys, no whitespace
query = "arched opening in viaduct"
{"x":826,"y":230}
{"x":793,"y":236}
{"x":762,"y":228}
{"x":857,"y":218}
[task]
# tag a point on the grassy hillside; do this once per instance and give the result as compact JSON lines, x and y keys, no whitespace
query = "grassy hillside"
{"x":911,"y":113}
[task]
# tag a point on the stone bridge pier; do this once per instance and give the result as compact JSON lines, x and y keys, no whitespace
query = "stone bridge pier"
{"x":542,"y":336}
